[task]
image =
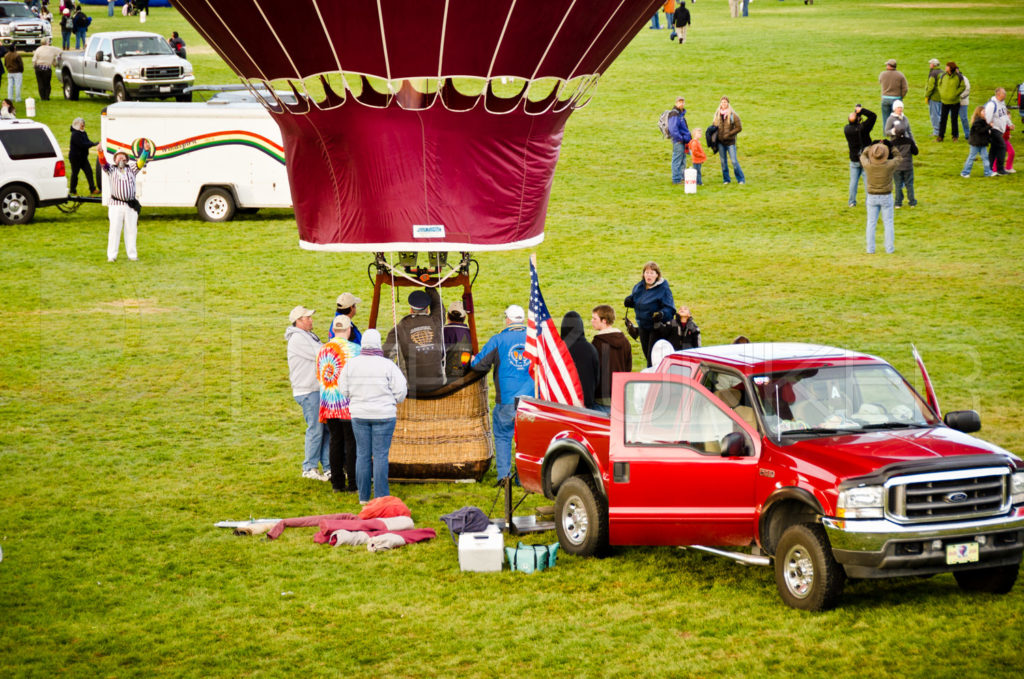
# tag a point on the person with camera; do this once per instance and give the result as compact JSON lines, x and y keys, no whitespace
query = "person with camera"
{"x":858,"y":138}
{"x":123,"y":210}
{"x":652,"y":300}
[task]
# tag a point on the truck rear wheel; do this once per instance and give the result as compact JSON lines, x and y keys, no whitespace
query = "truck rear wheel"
{"x":70,"y":88}
{"x":216,"y":205}
{"x":995,"y":580}
{"x":807,"y":575}
{"x":581,"y":517}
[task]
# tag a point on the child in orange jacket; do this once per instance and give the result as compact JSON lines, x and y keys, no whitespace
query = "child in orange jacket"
{"x":696,"y":152}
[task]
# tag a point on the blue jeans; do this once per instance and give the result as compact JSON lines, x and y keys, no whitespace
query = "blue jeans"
{"x":969,"y":165}
{"x":856,"y":171}
{"x":881,"y":203}
{"x":80,"y":38}
{"x":745,"y":4}
{"x":678,"y":161}
{"x":964,"y":125}
{"x":697,"y":166}
{"x":726,"y":152}
{"x":904,"y":179}
{"x":373,"y":441}
{"x":654,"y":21}
{"x":504,"y":423}
{"x":886,"y":108}
{"x":318,"y":439}
{"x":14,"y":86}
{"x":935,"y":113}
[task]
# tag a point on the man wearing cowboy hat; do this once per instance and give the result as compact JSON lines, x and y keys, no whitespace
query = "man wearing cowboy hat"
{"x":880,"y":161}
{"x":122,"y":207}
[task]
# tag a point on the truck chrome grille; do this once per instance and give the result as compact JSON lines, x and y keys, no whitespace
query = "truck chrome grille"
{"x":157,"y":72}
{"x":947,"y":496}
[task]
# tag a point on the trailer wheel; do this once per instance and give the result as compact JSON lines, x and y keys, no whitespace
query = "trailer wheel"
{"x":995,"y":580}
{"x":581,"y":517}
{"x":70,"y":88}
{"x":807,"y":575}
{"x":17,"y":205}
{"x":216,"y":205}
{"x":120,"y":91}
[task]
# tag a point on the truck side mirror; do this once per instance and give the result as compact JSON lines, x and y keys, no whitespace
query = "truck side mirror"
{"x":967,"y":421}
{"x":99,"y":55}
{"x":734,"y":444}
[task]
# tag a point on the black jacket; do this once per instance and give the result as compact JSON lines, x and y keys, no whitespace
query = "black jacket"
{"x":858,"y":134}
{"x":78,"y":150}
{"x":981,"y":134}
{"x":681,"y":17}
{"x":682,"y":336}
{"x":584,"y":355}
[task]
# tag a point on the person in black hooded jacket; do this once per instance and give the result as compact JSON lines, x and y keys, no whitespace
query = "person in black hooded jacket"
{"x":584,"y":355}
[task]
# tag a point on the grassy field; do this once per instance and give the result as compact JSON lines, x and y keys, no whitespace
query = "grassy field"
{"x":141,"y":402}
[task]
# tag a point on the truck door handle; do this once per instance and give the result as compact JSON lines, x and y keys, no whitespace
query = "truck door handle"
{"x":620,"y":472}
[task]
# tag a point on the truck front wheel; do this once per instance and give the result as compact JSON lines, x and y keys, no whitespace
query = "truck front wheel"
{"x":120,"y":91}
{"x":216,"y":205}
{"x":581,"y":517}
{"x":995,"y":580}
{"x":70,"y":88}
{"x":806,"y":574}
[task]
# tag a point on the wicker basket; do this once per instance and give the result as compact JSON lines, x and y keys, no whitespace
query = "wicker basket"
{"x":446,"y":438}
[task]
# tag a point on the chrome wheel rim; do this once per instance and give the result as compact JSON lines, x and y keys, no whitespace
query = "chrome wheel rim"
{"x":798,"y":571}
{"x":575,"y":522}
{"x":14,"y":206}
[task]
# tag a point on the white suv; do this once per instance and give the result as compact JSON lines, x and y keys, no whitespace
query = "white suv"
{"x":31,"y":170}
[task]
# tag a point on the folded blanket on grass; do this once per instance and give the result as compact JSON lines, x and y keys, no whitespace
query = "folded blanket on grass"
{"x":378,"y":540}
{"x":300,"y":521}
{"x":390,"y":524}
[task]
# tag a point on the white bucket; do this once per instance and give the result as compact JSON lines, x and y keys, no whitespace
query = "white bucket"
{"x":690,"y":180}
{"x":142,"y":17}
{"x":30,"y":107}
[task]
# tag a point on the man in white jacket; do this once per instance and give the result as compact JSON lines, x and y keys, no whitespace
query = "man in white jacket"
{"x":303,"y":347}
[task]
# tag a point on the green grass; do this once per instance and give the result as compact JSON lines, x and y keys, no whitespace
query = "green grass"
{"x":140,"y":403}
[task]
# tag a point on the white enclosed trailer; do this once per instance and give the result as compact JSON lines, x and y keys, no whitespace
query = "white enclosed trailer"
{"x":216,"y":156}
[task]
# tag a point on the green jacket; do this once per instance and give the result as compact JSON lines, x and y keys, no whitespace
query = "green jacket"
{"x":951,"y":86}
{"x":933,"y":83}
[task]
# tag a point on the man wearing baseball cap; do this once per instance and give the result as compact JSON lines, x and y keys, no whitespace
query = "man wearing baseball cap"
{"x":894,"y":86}
{"x":347,"y":307}
{"x":417,"y":343}
{"x":123,"y":209}
{"x":303,"y":347}
{"x":507,"y":352}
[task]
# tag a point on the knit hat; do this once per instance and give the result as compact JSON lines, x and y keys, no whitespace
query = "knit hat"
{"x":418,"y":299}
{"x":897,"y":104}
{"x":371,"y":339}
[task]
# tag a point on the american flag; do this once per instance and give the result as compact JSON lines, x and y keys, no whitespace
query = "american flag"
{"x":551,"y":365}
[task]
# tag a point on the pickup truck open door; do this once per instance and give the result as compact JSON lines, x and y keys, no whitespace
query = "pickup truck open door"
{"x":671,"y":482}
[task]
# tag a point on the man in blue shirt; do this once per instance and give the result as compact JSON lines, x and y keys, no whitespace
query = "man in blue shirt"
{"x":507,"y":352}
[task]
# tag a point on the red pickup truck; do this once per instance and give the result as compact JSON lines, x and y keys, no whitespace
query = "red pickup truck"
{"x":823,"y":461}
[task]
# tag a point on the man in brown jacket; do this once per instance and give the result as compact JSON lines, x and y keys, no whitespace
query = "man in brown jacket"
{"x":894,"y":86}
{"x":880,"y":161}
{"x":614,"y":354}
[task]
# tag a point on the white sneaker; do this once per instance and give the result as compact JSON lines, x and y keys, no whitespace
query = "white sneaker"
{"x":311,"y":474}
{"x":326,"y":475}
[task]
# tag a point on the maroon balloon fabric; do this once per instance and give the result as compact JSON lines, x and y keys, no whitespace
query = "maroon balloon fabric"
{"x":369,"y":172}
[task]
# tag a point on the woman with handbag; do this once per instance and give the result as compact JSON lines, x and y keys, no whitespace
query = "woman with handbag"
{"x":652,"y":300}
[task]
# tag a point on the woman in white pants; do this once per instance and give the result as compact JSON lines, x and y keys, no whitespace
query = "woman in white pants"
{"x":121,"y":180}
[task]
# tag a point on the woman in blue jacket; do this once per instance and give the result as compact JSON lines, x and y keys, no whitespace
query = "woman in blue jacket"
{"x":652,"y":300}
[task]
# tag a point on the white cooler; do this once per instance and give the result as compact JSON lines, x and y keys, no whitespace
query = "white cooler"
{"x":482,"y":552}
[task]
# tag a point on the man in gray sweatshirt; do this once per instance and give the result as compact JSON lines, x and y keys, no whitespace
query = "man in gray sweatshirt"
{"x":303,"y":347}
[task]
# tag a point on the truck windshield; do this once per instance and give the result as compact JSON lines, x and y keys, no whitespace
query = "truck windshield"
{"x":10,"y":9}
{"x":839,"y":399}
{"x":141,"y":46}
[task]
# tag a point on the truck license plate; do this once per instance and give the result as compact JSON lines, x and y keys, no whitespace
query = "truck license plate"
{"x":962,"y":553}
{"x":30,"y":41}
{"x":165,"y":88}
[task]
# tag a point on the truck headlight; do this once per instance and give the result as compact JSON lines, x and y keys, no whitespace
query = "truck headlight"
{"x":46,"y":28}
{"x":132,"y":72}
{"x":5,"y":29}
{"x":864,"y":502}
{"x":1017,"y":488}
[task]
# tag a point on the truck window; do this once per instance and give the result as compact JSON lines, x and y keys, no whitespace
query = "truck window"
{"x":670,"y":413}
{"x":92,"y":47}
{"x":141,"y":46}
{"x":105,"y":46}
{"x":27,"y":144}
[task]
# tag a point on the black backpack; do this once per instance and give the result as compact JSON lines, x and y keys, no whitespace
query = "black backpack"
{"x":711,"y":138}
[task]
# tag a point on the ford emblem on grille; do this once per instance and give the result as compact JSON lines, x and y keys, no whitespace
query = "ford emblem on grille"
{"x":955,"y":497}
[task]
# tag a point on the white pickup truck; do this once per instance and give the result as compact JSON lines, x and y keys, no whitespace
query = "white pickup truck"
{"x":131,"y":64}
